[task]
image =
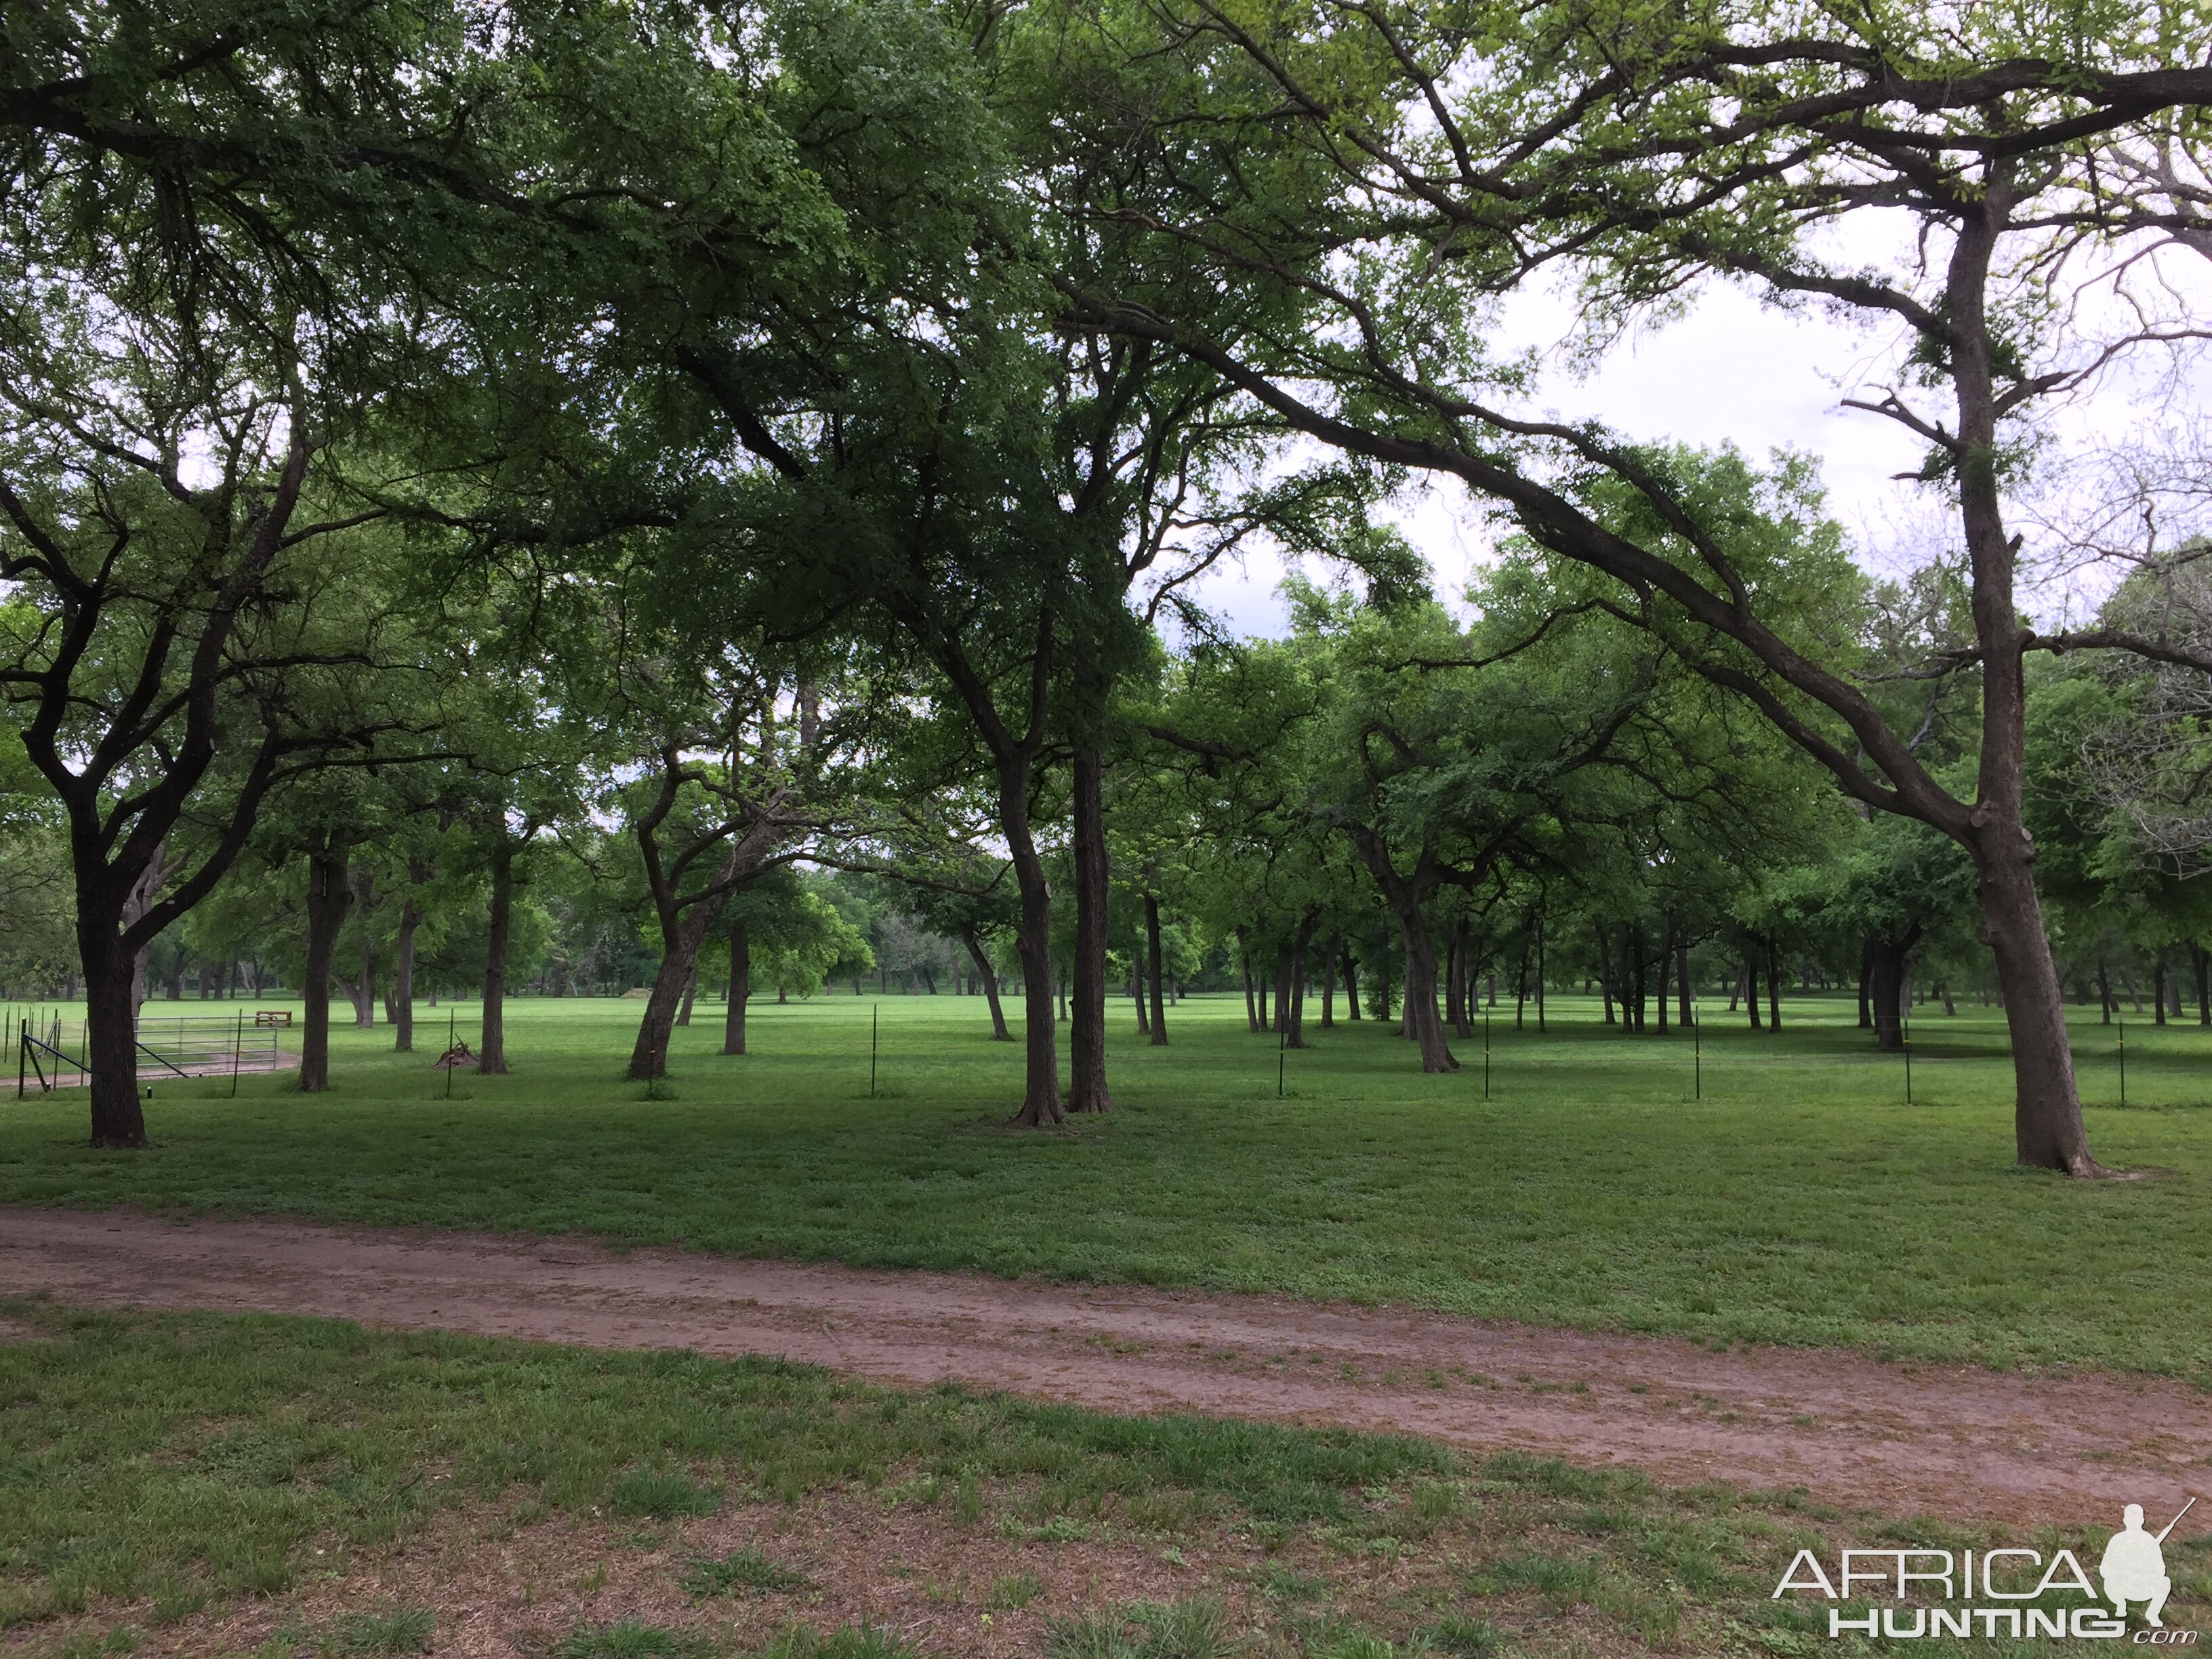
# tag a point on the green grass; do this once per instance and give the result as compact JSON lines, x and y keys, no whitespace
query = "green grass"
{"x":198,"y":1456}
{"x":1800,"y":1200}
{"x":741,"y":1572}
{"x":153,"y":1467}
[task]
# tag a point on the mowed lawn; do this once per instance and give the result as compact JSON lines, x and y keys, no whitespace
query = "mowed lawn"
{"x":1801,"y":1200}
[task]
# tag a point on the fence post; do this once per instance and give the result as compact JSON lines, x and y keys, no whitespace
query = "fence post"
{"x":1486,"y":1052}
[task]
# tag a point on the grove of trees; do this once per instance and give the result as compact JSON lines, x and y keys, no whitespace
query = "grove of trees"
{"x":529,"y":499}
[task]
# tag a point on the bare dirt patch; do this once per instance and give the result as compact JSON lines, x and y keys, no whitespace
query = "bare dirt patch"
{"x":1950,"y":1441}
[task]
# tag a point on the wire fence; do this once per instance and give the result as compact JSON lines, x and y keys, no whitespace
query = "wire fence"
{"x":51,"y":1052}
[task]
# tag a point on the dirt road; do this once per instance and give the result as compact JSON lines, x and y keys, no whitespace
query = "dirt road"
{"x":1906,"y":1439}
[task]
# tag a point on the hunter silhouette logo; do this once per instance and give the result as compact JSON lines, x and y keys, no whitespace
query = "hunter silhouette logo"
{"x":2011,"y":1592}
{"x":2134,"y":1567}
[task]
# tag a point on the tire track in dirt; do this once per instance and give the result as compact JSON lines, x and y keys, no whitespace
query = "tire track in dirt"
{"x":1952,"y":1441}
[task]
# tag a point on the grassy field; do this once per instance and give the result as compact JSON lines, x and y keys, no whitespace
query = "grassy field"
{"x":1801,"y":1200}
{"x":285,"y":1488}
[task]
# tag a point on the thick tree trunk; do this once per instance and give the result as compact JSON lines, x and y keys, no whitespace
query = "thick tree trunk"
{"x":111,"y":1032}
{"x":402,"y":978}
{"x":1086,"y":1032}
{"x":491,"y":1048}
{"x":1350,"y":984}
{"x":1422,"y":1023}
{"x":741,"y":988}
{"x":1137,"y":994}
{"x":1885,"y":961}
{"x":2047,"y":1127}
{"x":682,"y":935}
{"x":988,"y":977}
{"x":1866,"y":975}
{"x":329,"y":895}
{"x":1152,"y":960}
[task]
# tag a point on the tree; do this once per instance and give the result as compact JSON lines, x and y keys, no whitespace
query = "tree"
{"x":1419,"y":164}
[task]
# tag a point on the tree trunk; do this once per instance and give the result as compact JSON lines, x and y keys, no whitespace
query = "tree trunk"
{"x":1244,"y":962}
{"x":1152,"y":960}
{"x":1329,"y":952}
{"x":1086,"y":1032}
{"x":2047,"y":1127}
{"x":1283,"y":996}
{"x":144,"y":892}
{"x":2104,"y":996}
{"x":491,"y":1048}
{"x":1350,"y":984}
{"x":2200,"y":964}
{"x":1137,"y":993}
{"x":1866,"y":974}
{"x":683,"y":934}
{"x":1041,"y":1100}
{"x":1886,"y":986}
{"x":402,"y":978}
{"x":1681,"y":981}
{"x":1295,"y":1031}
{"x":111,"y":1032}
{"x":1604,"y":972}
{"x":1659,"y":988}
{"x":329,"y":895}
{"x":1632,"y":975}
{"x":1751,"y":986}
{"x":1422,"y":1023}
{"x":741,"y":988}
{"x":690,"y":995}
{"x":1540,"y":970}
{"x":988,"y":977}
{"x":1773,"y":984}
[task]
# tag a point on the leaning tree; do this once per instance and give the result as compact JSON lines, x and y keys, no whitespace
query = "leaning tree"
{"x":1397,"y":168}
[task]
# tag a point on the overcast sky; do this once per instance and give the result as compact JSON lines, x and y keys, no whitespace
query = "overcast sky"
{"x":1734,"y":370}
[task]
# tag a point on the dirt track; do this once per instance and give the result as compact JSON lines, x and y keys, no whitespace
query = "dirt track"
{"x":1937,"y":1440}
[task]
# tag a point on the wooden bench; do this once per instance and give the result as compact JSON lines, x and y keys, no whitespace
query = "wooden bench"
{"x":272,"y":1015}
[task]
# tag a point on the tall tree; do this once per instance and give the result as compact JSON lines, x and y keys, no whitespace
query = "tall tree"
{"x":1419,"y":164}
